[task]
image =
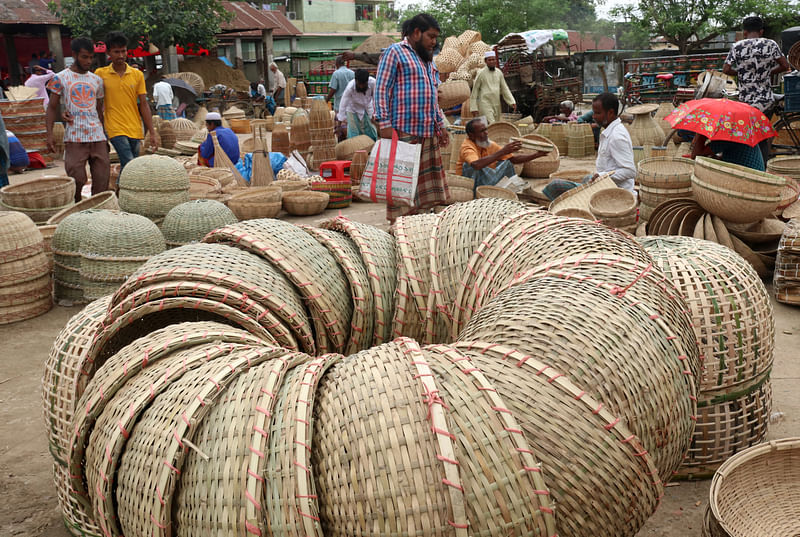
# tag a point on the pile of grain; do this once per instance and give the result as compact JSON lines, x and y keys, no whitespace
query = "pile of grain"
{"x":374,"y":43}
{"x":215,"y":72}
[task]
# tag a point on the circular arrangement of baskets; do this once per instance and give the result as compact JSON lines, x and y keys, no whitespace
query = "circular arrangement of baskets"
{"x":512,"y":416}
{"x":152,"y":185}
{"x":25,"y":283}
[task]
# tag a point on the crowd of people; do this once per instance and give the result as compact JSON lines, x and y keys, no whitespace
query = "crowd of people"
{"x":110,"y":106}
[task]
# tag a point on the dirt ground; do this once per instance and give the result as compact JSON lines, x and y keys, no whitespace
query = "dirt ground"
{"x":28,"y":499}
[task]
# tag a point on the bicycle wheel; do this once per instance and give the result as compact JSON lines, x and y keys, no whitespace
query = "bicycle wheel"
{"x":787,"y":142}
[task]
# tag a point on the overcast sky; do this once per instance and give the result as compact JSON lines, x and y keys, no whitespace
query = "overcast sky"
{"x":602,"y":10}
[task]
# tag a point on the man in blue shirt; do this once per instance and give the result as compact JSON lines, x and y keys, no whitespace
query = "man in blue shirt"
{"x":339,"y":81}
{"x":227,"y":140}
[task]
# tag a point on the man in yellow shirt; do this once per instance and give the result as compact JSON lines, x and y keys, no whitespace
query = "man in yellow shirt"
{"x":485,"y":161}
{"x":126,"y":105}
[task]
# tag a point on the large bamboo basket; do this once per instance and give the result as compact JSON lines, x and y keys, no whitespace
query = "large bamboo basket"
{"x":737,"y":341}
{"x":191,"y":221}
{"x":452,"y":93}
{"x":45,"y":193}
{"x":25,"y":284}
{"x":347,"y":148}
{"x":67,"y":255}
{"x":644,"y":130}
{"x":151,"y":185}
{"x":544,"y":166}
{"x":733,"y":205}
{"x":717,"y":173}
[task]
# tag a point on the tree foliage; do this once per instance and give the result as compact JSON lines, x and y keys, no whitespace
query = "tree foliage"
{"x":496,"y":18}
{"x":161,"y":22}
{"x":689,"y":24}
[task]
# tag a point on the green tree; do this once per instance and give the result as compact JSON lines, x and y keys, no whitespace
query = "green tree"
{"x":496,"y":18}
{"x":161,"y":22}
{"x":689,"y":24}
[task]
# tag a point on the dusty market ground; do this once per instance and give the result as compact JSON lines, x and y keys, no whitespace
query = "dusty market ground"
{"x":28,"y":504}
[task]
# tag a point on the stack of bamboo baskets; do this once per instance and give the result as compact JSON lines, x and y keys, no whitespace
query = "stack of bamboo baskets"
{"x":41,"y":198}
{"x":496,"y":429}
{"x":787,"y":265}
{"x":152,"y":185}
{"x":323,"y":140}
{"x":25,"y":281}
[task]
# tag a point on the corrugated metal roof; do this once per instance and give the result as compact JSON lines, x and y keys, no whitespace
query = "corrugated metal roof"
{"x":26,"y":12}
{"x":249,"y":21}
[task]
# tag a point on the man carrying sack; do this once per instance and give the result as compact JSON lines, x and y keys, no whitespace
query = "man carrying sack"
{"x":486,"y":162}
{"x":406,"y":101}
{"x":489,"y":85}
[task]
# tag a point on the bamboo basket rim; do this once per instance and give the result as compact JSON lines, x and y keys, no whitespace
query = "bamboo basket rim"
{"x":488,"y":191}
{"x":612,"y":203}
{"x":728,"y":193}
{"x":305,"y":202}
{"x":741,"y":172}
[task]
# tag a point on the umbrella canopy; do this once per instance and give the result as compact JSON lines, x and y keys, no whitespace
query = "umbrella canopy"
{"x":178,"y":83}
{"x":722,"y":119}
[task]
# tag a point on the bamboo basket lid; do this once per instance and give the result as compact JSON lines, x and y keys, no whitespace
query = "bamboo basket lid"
{"x":579,"y":197}
{"x":191,"y":221}
{"x":307,"y":264}
{"x":460,"y":230}
{"x":524,"y":241}
{"x":193,"y":79}
{"x":502,"y":132}
{"x":378,"y":252}
{"x":232,"y":268}
{"x":408,"y":320}
{"x":612,"y":202}
{"x":654,"y":351}
{"x":19,"y":239}
{"x":104,"y":200}
{"x":642,"y":109}
{"x":566,"y":417}
{"x":347,"y":254}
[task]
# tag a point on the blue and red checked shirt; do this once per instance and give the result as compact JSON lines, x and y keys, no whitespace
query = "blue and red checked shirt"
{"x":406,"y":96}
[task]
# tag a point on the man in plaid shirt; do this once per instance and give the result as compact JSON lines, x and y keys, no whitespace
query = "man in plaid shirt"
{"x":406,"y":101}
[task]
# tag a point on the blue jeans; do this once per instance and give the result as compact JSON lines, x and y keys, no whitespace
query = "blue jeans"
{"x":488,"y":176}
{"x":127,"y":149}
{"x":556,"y":187}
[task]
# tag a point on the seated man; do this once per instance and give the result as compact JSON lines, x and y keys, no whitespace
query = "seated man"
{"x":18,"y":157}
{"x":728,"y":151}
{"x":226,"y":138}
{"x":614,"y":154}
{"x":485,"y":161}
{"x":567,"y":109}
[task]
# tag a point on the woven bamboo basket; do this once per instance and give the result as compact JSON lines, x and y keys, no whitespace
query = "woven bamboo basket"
{"x":732,"y":205}
{"x":787,"y":166}
{"x":459,"y":195}
{"x":527,"y":240}
{"x":247,"y":208}
{"x":717,"y":173}
{"x":665,"y":172}
{"x":570,"y":212}
{"x":644,"y":130}
{"x":411,"y":371}
{"x":224,"y":176}
{"x":358,"y":164}
{"x":67,"y":257}
{"x":203,"y":187}
{"x":233,"y":112}
{"x":307,"y":264}
{"x":305,"y":203}
{"x":167,"y":135}
{"x":454,"y":180}
{"x":459,"y":231}
{"x":453,"y":92}
{"x":191,"y":221}
{"x":653,"y":197}
{"x":612,"y":203}
{"x":655,"y":351}
{"x":664,"y":109}
{"x":467,"y":38}
{"x":183,"y":129}
{"x":112,"y":247}
{"x":588,"y":430}
{"x":786,"y":277}
{"x":737,"y":342}
{"x":379,"y":254}
{"x":556,"y":133}
{"x":458,"y":137}
{"x":194,"y":80}
{"x":736,"y":510}
{"x":495,"y":192}
{"x":45,"y":193}
{"x":58,"y":136}
{"x":61,"y":372}
{"x":544,"y":166}
{"x":347,"y":148}
{"x":347,"y":254}
{"x":502,"y":132}
{"x":39,"y":216}
{"x":291,"y":185}
{"x":300,"y":135}
{"x":152,"y":185}
{"x":218,"y":266}
{"x":25,"y":285}
{"x":280,"y":139}
{"x":448,"y":60}
{"x":340,"y":192}
{"x":451,"y":43}
{"x":47,"y":231}
{"x":580,"y":140}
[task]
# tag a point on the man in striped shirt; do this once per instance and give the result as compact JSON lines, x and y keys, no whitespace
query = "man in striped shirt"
{"x":406,"y":101}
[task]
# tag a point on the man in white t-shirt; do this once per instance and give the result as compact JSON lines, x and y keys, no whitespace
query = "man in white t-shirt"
{"x":162,"y":95}
{"x":81,"y":92}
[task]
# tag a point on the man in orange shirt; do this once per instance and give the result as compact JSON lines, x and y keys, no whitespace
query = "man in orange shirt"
{"x":486,"y":162}
{"x":126,"y":105}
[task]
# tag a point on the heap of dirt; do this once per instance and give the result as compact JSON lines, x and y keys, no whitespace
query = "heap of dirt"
{"x":375,"y":43}
{"x":215,"y":72}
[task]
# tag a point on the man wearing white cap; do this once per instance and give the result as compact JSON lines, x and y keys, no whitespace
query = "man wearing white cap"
{"x":489,"y":85}
{"x":226,"y":138}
